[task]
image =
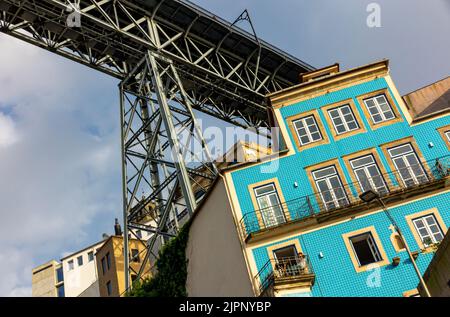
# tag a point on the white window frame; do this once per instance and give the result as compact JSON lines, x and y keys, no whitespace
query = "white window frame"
{"x":427,"y":227}
{"x":268,"y":214}
{"x":409,"y":168}
{"x":331,"y":189}
{"x":372,"y":246}
{"x":378,"y":108}
{"x":447,"y":135}
{"x":308,"y":132}
{"x":80,"y":257}
{"x":365,"y":169}
{"x":342,"y":117}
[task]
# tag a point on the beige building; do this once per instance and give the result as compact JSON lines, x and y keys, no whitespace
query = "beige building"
{"x":110,"y":265}
{"x":47,"y":280}
{"x":437,"y":275}
{"x":213,"y":226}
{"x":80,"y":272}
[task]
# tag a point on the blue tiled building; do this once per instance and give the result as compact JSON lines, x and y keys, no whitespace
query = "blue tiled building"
{"x":302,"y":226}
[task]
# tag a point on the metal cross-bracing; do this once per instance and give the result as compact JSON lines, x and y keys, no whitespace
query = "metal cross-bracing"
{"x":171,"y":58}
{"x":166,"y":163}
{"x":228,"y":66}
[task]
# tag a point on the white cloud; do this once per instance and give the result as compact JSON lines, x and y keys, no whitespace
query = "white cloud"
{"x":8,"y":132}
{"x":60,"y":184}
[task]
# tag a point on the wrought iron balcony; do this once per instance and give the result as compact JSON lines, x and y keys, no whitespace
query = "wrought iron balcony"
{"x":412,"y":179}
{"x":285,"y":271}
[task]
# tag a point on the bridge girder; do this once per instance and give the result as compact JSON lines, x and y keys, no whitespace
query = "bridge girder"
{"x":171,"y":58}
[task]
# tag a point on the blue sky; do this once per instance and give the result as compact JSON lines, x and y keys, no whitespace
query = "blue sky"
{"x":59,"y":136}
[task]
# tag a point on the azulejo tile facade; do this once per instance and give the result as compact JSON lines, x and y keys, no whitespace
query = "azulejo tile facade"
{"x":304,"y":229}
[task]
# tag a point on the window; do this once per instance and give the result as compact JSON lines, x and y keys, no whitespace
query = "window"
{"x":368,"y":174}
{"x":90,"y":256}
{"x":428,"y":229}
{"x":379,"y":109}
{"x":285,"y":253}
{"x":307,"y":130}
{"x":59,"y":275}
{"x":269,"y":205}
{"x":60,"y":290}
{"x":135,"y":255}
{"x":104,"y":268}
{"x":109,"y":288}
{"x":80,"y":260}
{"x":108,"y":260}
{"x":408,"y":165}
{"x":365,"y":249}
{"x":330,"y":187}
{"x":343,"y":119}
{"x":286,"y":261}
{"x":71,"y":266}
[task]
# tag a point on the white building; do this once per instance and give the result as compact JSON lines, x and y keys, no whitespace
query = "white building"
{"x":80,"y":273}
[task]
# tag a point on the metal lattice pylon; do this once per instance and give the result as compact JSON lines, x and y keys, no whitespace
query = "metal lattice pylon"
{"x":164,"y":154}
{"x":226,"y":73}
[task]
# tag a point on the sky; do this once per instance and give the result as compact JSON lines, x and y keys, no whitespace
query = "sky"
{"x":59,"y":121}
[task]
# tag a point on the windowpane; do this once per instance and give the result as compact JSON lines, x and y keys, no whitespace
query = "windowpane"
{"x":334,"y":113}
{"x":59,"y":275}
{"x":343,"y":119}
{"x":135,"y":255}
{"x":428,"y":229}
{"x":330,"y":187}
{"x":340,"y":129}
{"x":309,"y":121}
{"x":60,"y":291}
{"x":91,"y":256}
{"x":80,"y":260}
{"x":368,"y":174}
{"x":337,"y":121}
{"x":71,"y":266}
{"x":430,"y":220}
{"x":400,"y":150}
{"x":408,"y":165}
{"x":109,"y":288}
{"x":379,"y":108}
{"x":324,"y":172}
{"x":362,"y":161}
{"x":352,"y":125}
{"x":370,"y":103}
{"x":307,"y":130}
{"x":104,"y":268}
{"x":264,"y":189}
{"x":269,"y":205}
{"x":313,"y":129}
{"x":108,"y":260}
{"x":316,"y":136}
{"x":365,"y":249}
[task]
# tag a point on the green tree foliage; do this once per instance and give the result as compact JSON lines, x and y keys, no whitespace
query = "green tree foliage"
{"x":170,"y":279}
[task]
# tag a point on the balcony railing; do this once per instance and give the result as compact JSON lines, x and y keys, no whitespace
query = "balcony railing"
{"x":389,"y":184}
{"x":287,"y":269}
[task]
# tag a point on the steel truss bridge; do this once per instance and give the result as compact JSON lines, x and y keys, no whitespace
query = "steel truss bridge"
{"x":172,"y":58}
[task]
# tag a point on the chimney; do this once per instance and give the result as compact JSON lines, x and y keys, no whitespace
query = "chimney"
{"x":117,"y":228}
